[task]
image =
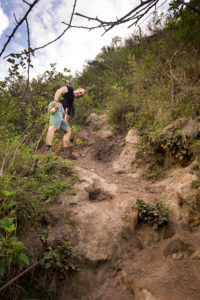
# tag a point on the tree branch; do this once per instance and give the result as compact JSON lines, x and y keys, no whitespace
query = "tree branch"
{"x":29,"y":47}
{"x":17,"y":26}
{"x":189,"y":6}
{"x":15,"y":18}
{"x":57,"y":38}
{"x":26,"y":2}
{"x":18,"y":276}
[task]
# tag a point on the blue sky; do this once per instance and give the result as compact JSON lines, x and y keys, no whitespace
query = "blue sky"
{"x":45,"y":21}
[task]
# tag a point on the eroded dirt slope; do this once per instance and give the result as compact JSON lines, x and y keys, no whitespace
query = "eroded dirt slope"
{"x":119,"y":258}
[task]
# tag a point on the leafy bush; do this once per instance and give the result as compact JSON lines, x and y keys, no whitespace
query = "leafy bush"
{"x":58,"y":259}
{"x":34,"y":178}
{"x":11,"y":249}
{"x":152,"y":214}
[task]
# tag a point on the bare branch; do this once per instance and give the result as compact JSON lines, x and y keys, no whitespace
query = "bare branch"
{"x":189,"y":6}
{"x":18,"y":276}
{"x":18,"y":25}
{"x":29,"y":54}
{"x":26,"y":2}
{"x":142,"y":7}
{"x":151,"y":13}
{"x":135,"y":15}
{"x":139,"y":17}
{"x":70,"y":22}
{"x":28,"y":58}
{"x":57,"y":38}
{"x":15,"y":18}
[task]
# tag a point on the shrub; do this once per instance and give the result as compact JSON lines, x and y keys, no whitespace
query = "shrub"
{"x":152,"y":214}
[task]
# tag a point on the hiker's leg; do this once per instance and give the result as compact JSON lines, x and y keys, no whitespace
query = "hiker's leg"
{"x":50,"y":135}
{"x":66,"y":137}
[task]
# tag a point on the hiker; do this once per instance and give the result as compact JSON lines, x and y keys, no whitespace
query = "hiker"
{"x":60,"y":112}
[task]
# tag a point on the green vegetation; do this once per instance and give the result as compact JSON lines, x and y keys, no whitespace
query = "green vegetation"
{"x":116,"y":268}
{"x":58,"y":258}
{"x":152,"y":214}
{"x":29,"y":179}
{"x":11,"y":249}
{"x":195,"y":184}
{"x":147,"y":82}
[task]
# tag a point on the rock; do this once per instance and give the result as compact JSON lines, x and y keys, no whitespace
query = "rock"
{"x":147,"y":235}
{"x":132,"y":137}
{"x":128,"y":157}
{"x":106,"y":134}
{"x":196,"y":255}
{"x":178,"y":249}
{"x":194,"y":218}
{"x":123,"y":277}
{"x":49,"y":218}
{"x":189,"y":195}
{"x":96,"y":192}
{"x":128,"y":214}
{"x":142,"y":294}
{"x":168,"y":231}
{"x":94,"y":187}
{"x":192,"y":128}
{"x":99,"y":234}
{"x":178,"y":124}
{"x":97,"y":121}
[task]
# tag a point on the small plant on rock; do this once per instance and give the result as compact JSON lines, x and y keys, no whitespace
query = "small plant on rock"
{"x":116,"y":268}
{"x":58,"y":258}
{"x":152,"y":214}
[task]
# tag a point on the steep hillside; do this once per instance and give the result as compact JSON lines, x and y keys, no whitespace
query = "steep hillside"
{"x":122,"y":222}
{"x":119,"y":255}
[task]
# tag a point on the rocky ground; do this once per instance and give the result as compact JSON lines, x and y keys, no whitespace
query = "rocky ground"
{"x":121,"y":259}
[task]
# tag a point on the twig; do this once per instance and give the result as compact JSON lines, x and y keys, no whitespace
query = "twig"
{"x":3,"y":164}
{"x":189,"y":6}
{"x":15,"y":18}
{"x":29,"y":57}
{"x":18,"y":276}
{"x":17,"y":26}
{"x":69,"y":26}
{"x":26,"y":2}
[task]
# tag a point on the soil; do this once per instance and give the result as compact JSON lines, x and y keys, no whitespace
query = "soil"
{"x":120,"y":258}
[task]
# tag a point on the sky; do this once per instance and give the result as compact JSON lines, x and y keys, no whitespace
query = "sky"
{"x":76,"y":47}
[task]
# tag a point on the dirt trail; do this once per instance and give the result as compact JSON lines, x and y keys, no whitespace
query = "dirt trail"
{"x":120,"y":259}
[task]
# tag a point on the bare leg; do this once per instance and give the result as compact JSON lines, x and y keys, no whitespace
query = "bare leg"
{"x":50,"y":135}
{"x":66,"y":137}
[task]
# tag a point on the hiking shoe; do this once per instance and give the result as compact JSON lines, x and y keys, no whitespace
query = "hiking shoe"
{"x":48,"y":149}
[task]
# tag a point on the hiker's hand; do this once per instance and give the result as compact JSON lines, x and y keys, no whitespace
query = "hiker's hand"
{"x":56,"y":106}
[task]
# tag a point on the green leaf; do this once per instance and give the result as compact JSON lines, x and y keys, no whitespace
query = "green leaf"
{"x":47,"y":265}
{"x":6,"y":222}
{"x":9,"y":205}
{"x":23,"y":258}
{"x":19,"y":246}
{"x":6,"y":193}
{"x":2,"y":271}
{"x":12,"y":240}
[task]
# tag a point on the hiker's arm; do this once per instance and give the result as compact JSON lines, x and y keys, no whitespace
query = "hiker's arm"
{"x":59,"y":92}
{"x":66,"y":116}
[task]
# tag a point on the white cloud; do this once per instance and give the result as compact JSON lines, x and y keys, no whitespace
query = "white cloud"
{"x":77,"y":45}
{"x":4,"y":21}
